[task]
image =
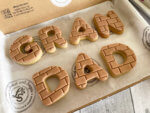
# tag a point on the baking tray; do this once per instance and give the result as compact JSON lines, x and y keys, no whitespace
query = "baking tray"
{"x":13,"y":75}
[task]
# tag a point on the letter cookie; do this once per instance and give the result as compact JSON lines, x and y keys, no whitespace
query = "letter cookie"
{"x":49,"y":97}
{"x":80,"y":31}
{"x":87,"y":69}
{"x":115,"y":68}
{"x":51,"y":36}
{"x":24,"y":51}
{"x":110,"y":22}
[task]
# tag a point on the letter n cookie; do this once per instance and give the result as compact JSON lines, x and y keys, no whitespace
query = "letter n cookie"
{"x":105,"y":24}
{"x":116,"y":69}
{"x":80,"y":31}
{"x":87,"y":69}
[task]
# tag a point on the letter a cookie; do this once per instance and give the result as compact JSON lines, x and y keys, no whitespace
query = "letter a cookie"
{"x":80,"y":31}
{"x":87,"y":69}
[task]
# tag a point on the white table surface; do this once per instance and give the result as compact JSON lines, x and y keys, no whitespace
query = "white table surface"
{"x":132,"y":100}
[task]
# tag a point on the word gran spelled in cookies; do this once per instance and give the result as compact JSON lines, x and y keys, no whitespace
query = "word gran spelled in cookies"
{"x":45,"y":94}
{"x":51,"y":36}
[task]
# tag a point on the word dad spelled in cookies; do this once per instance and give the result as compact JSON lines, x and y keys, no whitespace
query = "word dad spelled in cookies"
{"x":86,"y":70}
{"x":25,"y":51}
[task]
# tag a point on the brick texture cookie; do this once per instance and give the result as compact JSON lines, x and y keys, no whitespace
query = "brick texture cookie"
{"x":80,"y":31}
{"x":115,"y":68}
{"x":51,"y":36}
{"x":24,"y":51}
{"x":87,"y":69}
{"x":105,"y":24}
{"x":49,"y":97}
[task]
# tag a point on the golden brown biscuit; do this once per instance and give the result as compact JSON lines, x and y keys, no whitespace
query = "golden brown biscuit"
{"x":24,"y":51}
{"x":51,"y":36}
{"x":80,"y":31}
{"x":87,"y":69}
{"x":49,"y":97}
{"x":115,"y":68}
{"x":110,"y":22}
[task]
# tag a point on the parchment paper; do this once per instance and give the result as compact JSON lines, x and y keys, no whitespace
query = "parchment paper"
{"x":134,"y":26}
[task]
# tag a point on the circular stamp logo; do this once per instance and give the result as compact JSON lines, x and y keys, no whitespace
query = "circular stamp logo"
{"x":146,"y":37}
{"x":20,"y":94}
{"x":61,"y":3}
